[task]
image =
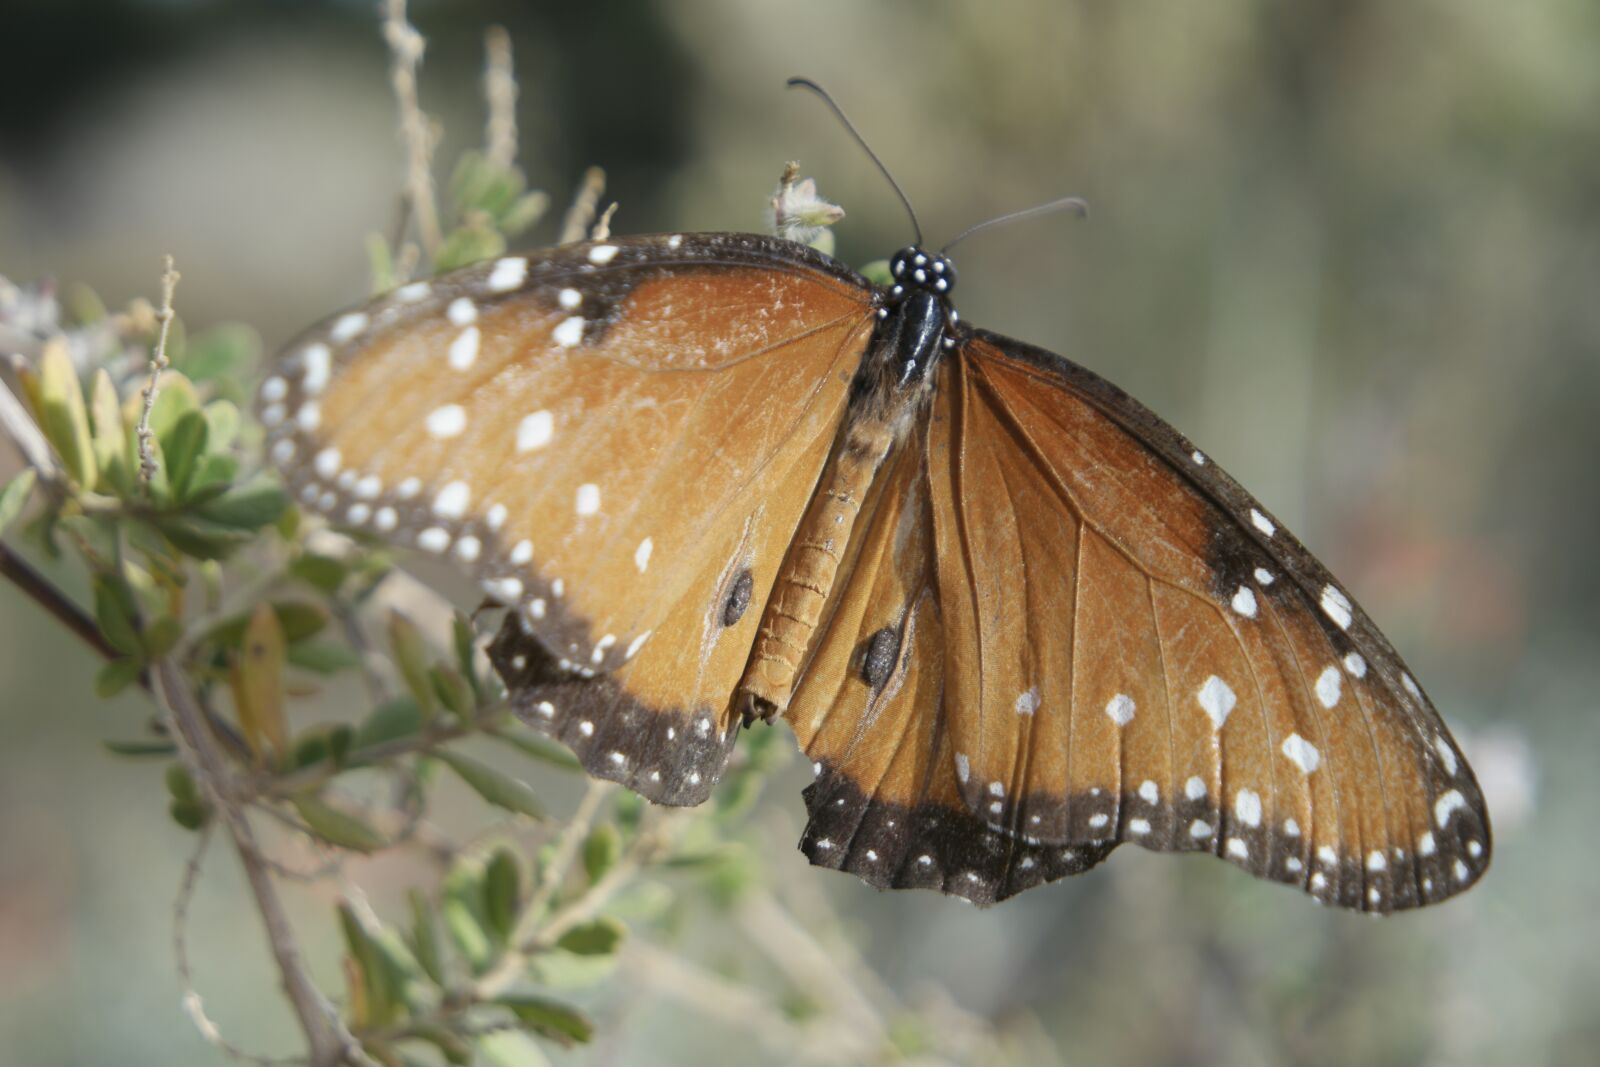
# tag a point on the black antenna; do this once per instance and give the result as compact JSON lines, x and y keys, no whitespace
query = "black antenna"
{"x":1074,"y":204}
{"x":807,"y":83}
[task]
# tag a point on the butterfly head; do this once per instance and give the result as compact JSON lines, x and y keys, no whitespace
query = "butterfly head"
{"x":913,"y":269}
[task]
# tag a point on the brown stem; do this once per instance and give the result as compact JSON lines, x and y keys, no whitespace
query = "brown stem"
{"x":38,"y":589}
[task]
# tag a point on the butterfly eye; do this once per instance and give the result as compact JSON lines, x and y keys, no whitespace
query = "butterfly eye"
{"x":883,"y":652}
{"x":738,"y":601}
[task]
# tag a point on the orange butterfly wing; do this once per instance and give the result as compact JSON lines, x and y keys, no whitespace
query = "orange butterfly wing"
{"x":1115,"y":642}
{"x":607,"y":435}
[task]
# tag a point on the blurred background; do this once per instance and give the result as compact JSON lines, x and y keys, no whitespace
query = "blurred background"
{"x":1352,"y":248}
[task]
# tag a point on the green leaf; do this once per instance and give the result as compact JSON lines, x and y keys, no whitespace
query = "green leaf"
{"x":597,"y":937}
{"x":199,"y":537}
{"x":323,"y":572}
{"x":336,"y":826}
{"x":382,"y":999}
{"x":298,"y":619}
{"x":453,"y":691}
{"x":469,"y":244}
{"x":425,"y":944}
{"x":110,"y":435}
{"x":411,"y":654}
{"x":502,"y":893}
{"x":222,"y":419}
{"x":390,"y":721}
{"x":466,"y":652}
{"x":14,"y":497}
{"x":557,"y":969}
{"x":180,"y":786}
{"x":256,"y":677}
{"x":250,"y":506}
{"x":877,"y":272}
{"x":497,"y":787}
{"x":524,"y":212}
{"x":63,"y":416}
{"x":601,"y":851}
{"x":175,"y":397}
{"x":510,"y":1048}
{"x":191,"y":815}
{"x":380,"y":263}
{"x":182,"y":446}
{"x":538,"y":746}
{"x":467,"y":932}
{"x":116,"y":676}
{"x":115,"y":610}
{"x":141,"y":748}
{"x":220,"y":354}
{"x":161,"y":636}
{"x":323,"y":657}
{"x":552,"y":1019}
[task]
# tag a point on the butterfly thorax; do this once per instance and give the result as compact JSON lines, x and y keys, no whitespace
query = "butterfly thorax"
{"x":892,"y":385}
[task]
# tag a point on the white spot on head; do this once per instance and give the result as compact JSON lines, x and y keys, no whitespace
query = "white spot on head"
{"x":1302,"y":753}
{"x":464,"y":349}
{"x":1139,"y":826}
{"x":1238,"y":849}
{"x":1328,"y":683}
{"x":507,"y":274}
{"x":452,"y":501}
{"x":386,"y":519}
{"x":521,"y":553}
{"x":1447,"y":805}
{"x":1247,"y":806}
{"x":1337,"y":607}
{"x":327,"y":462}
{"x":1264,"y":576}
{"x":1356,"y":665}
{"x":462,"y":312}
{"x":1199,"y":828}
{"x":570,"y":332}
{"x":1291,"y":828}
{"x":274,"y":388}
{"x":570,"y":298}
{"x":963,"y":767}
{"x":408,"y":294}
{"x":1216,"y":700}
{"x":347,"y":326}
{"x":1195,"y":787}
{"x":641,"y":555}
{"x":468,"y":549}
{"x":1244,"y":602}
{"x":434,"y":539}
{"x":1120,"y":708}
{"x":600,"y":255}
{"x":588,"y":499}
{"x":1262,"y":523}
{"x":1376,"y":861}
{"x":586,"y":728}
{"x":319,"y":367}
{"x":1150,"y":792}
{"x":1028,"y":703}
{"x":1426,"y":846}
{"x":446,"y":422}
{"x":534,"y":431}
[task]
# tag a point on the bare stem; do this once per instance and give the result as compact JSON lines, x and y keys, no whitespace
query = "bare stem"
{"x":158,"y":363}
{"x":406,"y":46}
{"x":328,"y":1041}
{"x":500,"y":91}
{"x":581,"y":214}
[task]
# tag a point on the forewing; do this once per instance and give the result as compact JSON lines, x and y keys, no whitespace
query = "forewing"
{"x":607,"y":435}
{"x":1136,"y":651}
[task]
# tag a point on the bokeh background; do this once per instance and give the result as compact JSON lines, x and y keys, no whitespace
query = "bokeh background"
{"x":1352,"y":248}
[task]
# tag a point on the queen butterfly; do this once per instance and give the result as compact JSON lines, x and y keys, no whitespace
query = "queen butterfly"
{"x":1012,"y":616}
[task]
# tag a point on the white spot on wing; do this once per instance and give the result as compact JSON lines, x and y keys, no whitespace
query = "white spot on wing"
{"x":318,"y":362}
{"x":408,"y":294}
{"x":1247,"y":806}
{"x":1238,"y":849}
{"x":1336,"y":606}
{"x":1216,"y":700}
{"x":1028,"y":703}
{"x":1244,"y":602}
{"x":1121,"y":708}
{"x":508,"y":274}
{"x":1302,"y":753}
{"x":641,"y":555}
{"x":570,"y":332}
{"x":1262,"y":523}
{"x":521,"y":553}
{"x":1328,"y":683}
{"x":1356,"y":665}
{"x":588,"y":499}
{"x":1447,"y":755}
{"x":963,"y":767}
{"x":1195,"y":787}
{"x":462,"y":311}
{"x":1199,"y":829}
{"x":274,"y":388}
{"x":1149,"y":792}
{"x":1139,"y":826}
{"x":464,"y":349}
{"x":535,"y":431}
{"x":348,"y":326}
{"x":1447,"y":805}
{"x":327,"y":462}
{"x":570,"y":298}
{"x":451,"y":503}
{"x":1264,"y":576}
{"x":447,"y":421}
{"x":434,"y":539}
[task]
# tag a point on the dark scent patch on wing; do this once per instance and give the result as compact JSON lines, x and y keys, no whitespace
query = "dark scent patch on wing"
{"x":737,"y":602}
{"x":666,"y":755}
{"x":879,"y":657}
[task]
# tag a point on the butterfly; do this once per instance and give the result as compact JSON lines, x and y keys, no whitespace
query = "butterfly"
{"x":1013,"y":618}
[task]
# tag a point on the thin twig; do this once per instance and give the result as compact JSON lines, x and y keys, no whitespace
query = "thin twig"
{"x":406,"y":46}
{"x":30,"y":440}
{"x":602,"y":226}
{"x":500,"y":93}
{"x":158,"y":363}
{"x":581,"y":214}
{"x":328,"y":1041}
{"x":38,"y":589}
